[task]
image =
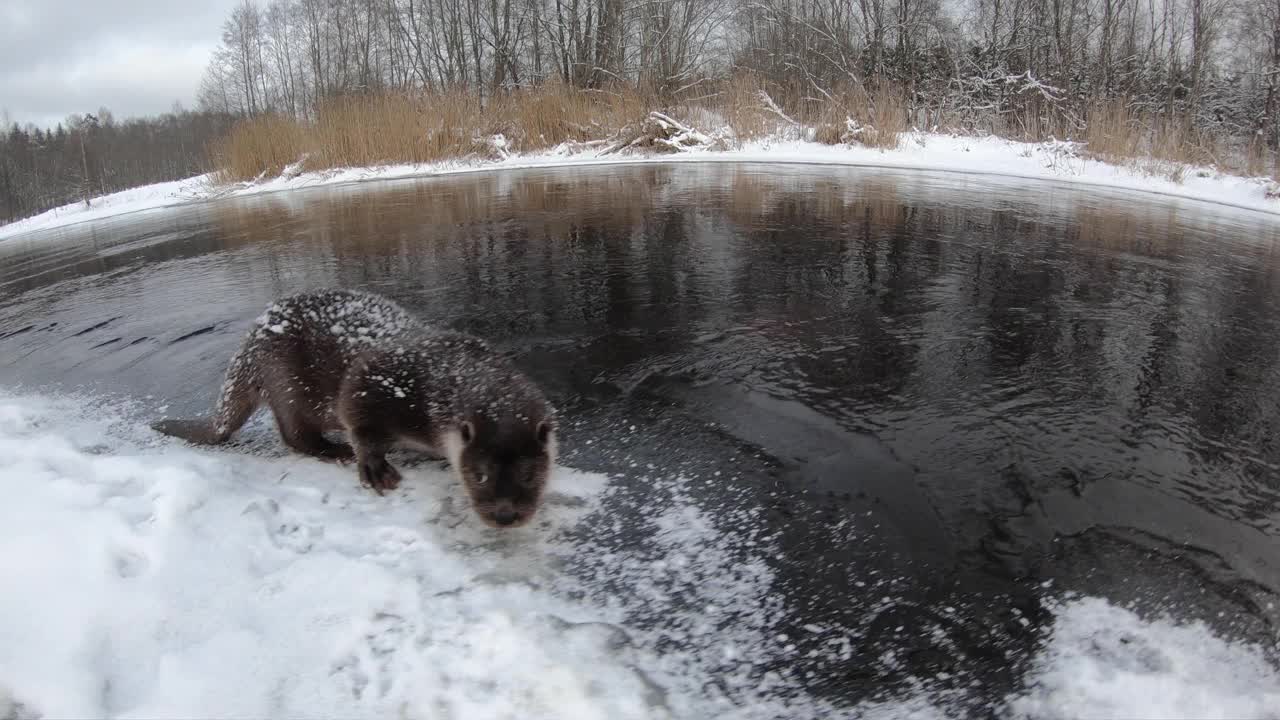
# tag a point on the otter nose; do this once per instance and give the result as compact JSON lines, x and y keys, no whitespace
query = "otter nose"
{"x":505,"y":517}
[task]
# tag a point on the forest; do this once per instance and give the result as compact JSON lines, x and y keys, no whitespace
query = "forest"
{"x":95,"y":154}
{"x":1024,"y":66}
{"x":351,"y":81}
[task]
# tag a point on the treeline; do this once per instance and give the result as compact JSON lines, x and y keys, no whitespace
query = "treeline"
{"x":344,"y":81}
{"x":94,"y":154}
{"x":1031,"y":68}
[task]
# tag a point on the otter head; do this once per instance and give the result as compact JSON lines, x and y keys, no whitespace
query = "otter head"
{"x":504,"y":465}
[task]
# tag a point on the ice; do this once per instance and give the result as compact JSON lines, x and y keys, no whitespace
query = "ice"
{"x":160,"y":581}
{"x":147,"y":579}
{"x":1104,"y":661}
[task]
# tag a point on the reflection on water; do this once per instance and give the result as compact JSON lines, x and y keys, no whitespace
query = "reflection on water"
{"x":945,"y":394}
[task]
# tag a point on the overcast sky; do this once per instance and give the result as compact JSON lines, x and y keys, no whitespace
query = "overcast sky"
{"x":133,"y":56}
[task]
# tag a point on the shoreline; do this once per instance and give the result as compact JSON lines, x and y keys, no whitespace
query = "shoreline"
{"x":927,"y":152}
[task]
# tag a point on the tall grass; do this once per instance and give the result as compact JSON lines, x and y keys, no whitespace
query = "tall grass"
{"x":261,"y":145}
{"x":753,"y":113}
{"x":378,"y":129}
{"x":1154,"y":144}
{"x":387,"y":128}
{"x":875,"y":116}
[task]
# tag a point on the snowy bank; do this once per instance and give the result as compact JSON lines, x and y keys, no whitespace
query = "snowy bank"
{"x":1058,"y":161}
{"x":147,"y":197}
{"x":144,"y":578}
{"x":147,"y":579}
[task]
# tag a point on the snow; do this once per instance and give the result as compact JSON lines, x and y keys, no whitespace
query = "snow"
{"x":1104,"y":661}
{"x":1055,"y":160}
{"x":162,"y":582}
{"x":147,"y":197}
{"x":145,"y":578}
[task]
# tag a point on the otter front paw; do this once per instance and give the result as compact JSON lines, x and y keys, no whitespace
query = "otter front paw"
{"x":389,"y":479}
{"x":379,"y":475}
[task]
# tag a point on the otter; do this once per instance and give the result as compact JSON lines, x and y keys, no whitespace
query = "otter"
{"x":358,"y":363}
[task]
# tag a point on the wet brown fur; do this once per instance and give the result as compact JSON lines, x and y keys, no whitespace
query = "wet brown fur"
{"x":400,"y":383}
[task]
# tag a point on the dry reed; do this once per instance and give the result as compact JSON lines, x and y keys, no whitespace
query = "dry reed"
{"x":387,"y":128}
{"x":874,"y":117}
{"x":380,"y":129}
{"x":1153,"y":144}
{"x":750,"y":110}
{"x":261,"y":145}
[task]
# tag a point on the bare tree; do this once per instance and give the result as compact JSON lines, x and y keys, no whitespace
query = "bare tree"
{"x":1037,"y":67}
{"x":41,"y":169}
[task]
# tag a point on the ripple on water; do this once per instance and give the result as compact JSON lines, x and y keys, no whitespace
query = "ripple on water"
{"x":911,"y":390}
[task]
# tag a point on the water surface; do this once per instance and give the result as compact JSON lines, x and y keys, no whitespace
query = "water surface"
{"x":945,"y":398}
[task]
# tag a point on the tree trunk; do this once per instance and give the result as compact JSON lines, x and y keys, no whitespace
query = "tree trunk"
{"x":84,"y":166}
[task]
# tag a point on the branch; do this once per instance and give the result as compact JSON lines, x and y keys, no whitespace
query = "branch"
{"x":772,"y":107}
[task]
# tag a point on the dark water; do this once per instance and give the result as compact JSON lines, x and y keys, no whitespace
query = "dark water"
{"x":1013,"y":389}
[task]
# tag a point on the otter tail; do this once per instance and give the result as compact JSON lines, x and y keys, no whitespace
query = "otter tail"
{"x":236,"y":403}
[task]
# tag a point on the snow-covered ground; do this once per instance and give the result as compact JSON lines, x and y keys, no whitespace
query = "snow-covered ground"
{"x":922,"y":151}
{"x":144,"y":578}
{"x":147,"y":197}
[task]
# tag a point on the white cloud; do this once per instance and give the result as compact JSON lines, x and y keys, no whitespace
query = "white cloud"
{"x":135,"y":57}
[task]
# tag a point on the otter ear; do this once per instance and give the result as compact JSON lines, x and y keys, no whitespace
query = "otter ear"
{"x":544,"y":433}
{"x":468,"y":432}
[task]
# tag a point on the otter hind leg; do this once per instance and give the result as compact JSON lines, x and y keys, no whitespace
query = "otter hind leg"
{"x":302,"y":433}
{"x":310,"y":441}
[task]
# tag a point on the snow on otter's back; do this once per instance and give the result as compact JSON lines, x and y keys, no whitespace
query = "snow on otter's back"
{"x":354,"y":318}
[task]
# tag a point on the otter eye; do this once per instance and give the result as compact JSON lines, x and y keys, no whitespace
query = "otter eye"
{"x":468,"y":432}
{"x":482,"y":479}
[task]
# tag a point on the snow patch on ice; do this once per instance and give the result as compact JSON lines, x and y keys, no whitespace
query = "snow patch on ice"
{"x":1104,"y":661}
{"x":151,"y":580}
{"x":145,"y":578}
